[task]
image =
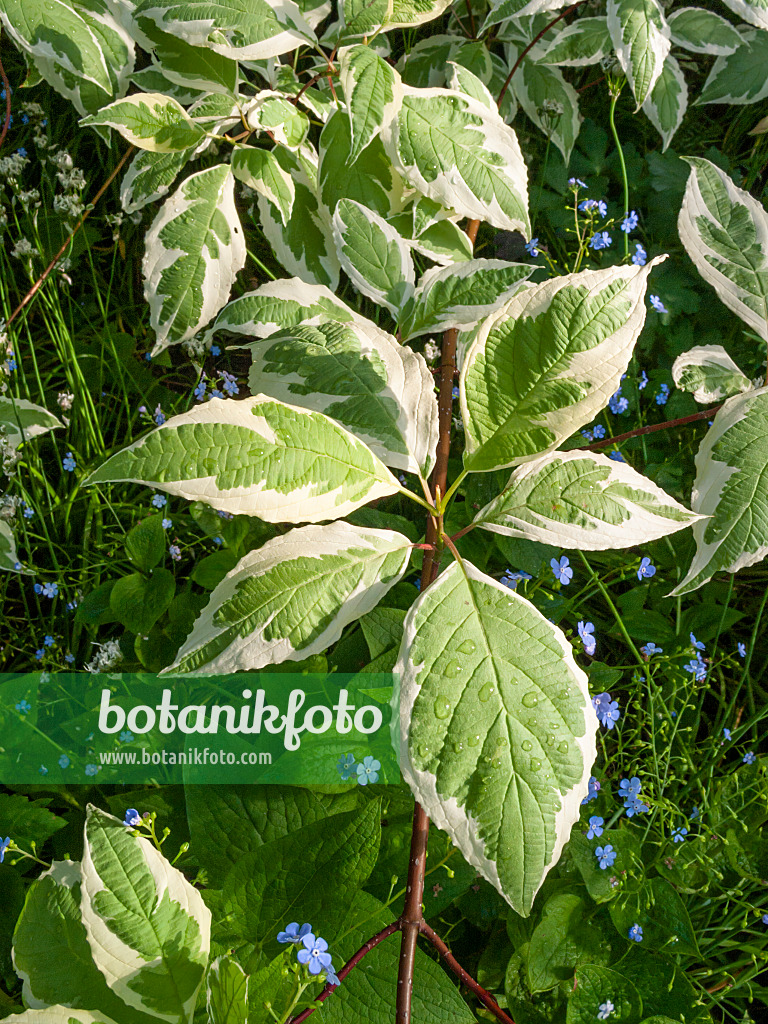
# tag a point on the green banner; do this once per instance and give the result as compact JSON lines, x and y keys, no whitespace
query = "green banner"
{"x":279,"y":727}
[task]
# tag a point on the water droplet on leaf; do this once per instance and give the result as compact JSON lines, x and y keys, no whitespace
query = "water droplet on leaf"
{"x":531,"y":699}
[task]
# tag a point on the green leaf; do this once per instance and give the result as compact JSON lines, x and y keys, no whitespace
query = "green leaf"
{"x":659,"y":910}
{"x":61,"y":969}
{"x":260,"y":170}
{"x":550,"y":102}
{"x":500,"y":10}
{"x":27,"y":821}
{"x":463,"y":295}
{"x":148,"y":928}
{"x":278,"y":117}
{"x":228,"y":823}
{"x":709,"y":374}
{"x":565,"y":938}
{"x":212,"y":569}
{"x":59,"y":1015}
{"x":257,"y":457}
{"x":311,"y":874}
{"x":138,"y":601}
{"x":383,"y":629}
{"x":497,"y":734}
{"x":78,"y":46}
{"x":372,"y":94}
{"x":239,"y":29}
{"x":149,"y":121}
{"x":369,"y":178}
{"x":292,"y":598}
{"x":145,"y":543}
{"x":731,"y":487}
{"x":594,"y":986}
{"x":21,"y":420}
{"x":725,"y":232}
{"x":583,"y":500}
{"x":667,"y":102}
{"x":193,"y":252}
{"x":227,"y":992}
{"x":585,"y":41}
{"x":640,"y":37}
{"x":9,"y":556}
{"x":597,"y":880}
{"x":454,"y":149}
{"x":193,"y":67}
{"x":739,"y":77}
{"x":547,"y":362}
{"x":381,"y":391}
{"x":149,"y":177}
{"x":702,"y":31}
{"x":664,"y":988}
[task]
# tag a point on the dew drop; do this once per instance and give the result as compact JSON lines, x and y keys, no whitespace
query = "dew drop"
{"x":486,"y":692}
{"x":550,"y":739}
{"x":531,"y":699}
{"x":458,"y":746}
{"x":189,"y":469}
{"x":496,"y":762}
{"x":564,"y":694}
{"x":526,"y":745}
{"x":255,"y":453}
{"x":535,"y":764}
{"x":452,"y":669}
{"x":467,"y":647}
{"x":474,"y":740}
{"x":502,"y":741}
{"x":563,"y":747}
{"x":210,"y":465}
{"x":442,"y":707}
{"x":423,"y":750}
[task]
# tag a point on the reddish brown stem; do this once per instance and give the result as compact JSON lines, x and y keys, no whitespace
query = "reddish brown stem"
{"x":7,"y":120}
{"x":666,"y":425}
{"x":41,"y":280}
{"x":530,"y":46}
{"x":411,"y":918}
{"x":348,"y":966}
{"x":485,"y":997}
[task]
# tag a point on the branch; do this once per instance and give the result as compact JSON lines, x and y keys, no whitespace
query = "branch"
{"x":348,"y":966}
{"x":705,"y":414}
{"x":531,"y":45}
{"x":485,"y":997}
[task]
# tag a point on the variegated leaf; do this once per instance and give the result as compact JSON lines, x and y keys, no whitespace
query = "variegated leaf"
{"x":725,"y":232}
{"x":372,"y":93}
{"x":149,"y":177}
{"x":547,"y":362}
{"x":226,"y":992}
{"x":709,"y":373}
{"x":373,"y":256}
{"x":21,"y":420}
{"x":702,"y":31}
{"x":9,"y":558}
{"x":314,"y":11}
{"x":753,"y":11}
{"x":58,"y":1015}
{"x":583,"y":500}
{"x":256,"y":457}
{"x":193,"y":67}
{"x":148,"y":928}
{"x":495,"y":725}
{"x":276,"y":116}
{"x":149,"y":121}
{"x":292,"y":597}
{"x":409,"y":13}
{"x":193,"y":252}
{"x":732,"y":488}
{"x":461,"y":79}
{"x":78,"y":46}
{"x":304,"y":246}
{"x":666,"y":103}
{"x":461,"y":296}
{"x":550,"y":102}
{"x":501,"y":10}
{"x":584,"y":42}
{"x":260,"y":170}
{"x":641,"y":40}
{"x":454,"y":149}
{"x":369,"y":179}
{"x":239,"y":29}
{"x":739,"y":77}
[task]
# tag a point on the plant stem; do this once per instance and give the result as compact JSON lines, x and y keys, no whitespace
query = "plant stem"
{"x":705,"y":414}
{"x":531,"y":45}
{"x":614,"y":100}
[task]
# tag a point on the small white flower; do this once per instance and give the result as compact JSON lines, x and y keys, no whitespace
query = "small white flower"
{"x":65,"y":400}
{"x":23,"y":249}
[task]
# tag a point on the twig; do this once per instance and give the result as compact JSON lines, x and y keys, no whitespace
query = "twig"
{"x":7,"y":87}
{"x":41,"y":280}
{"x":348,"y":966}
{"x":650,"y":429}
{"x":531,"y":45}
{"x":485,"y":997}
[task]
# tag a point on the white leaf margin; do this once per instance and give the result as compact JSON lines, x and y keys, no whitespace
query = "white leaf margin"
{"x":708,"y":355}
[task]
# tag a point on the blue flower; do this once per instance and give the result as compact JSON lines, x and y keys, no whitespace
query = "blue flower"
{"x":679,"y":834}
{"x":599,"y":432}
{"x":562,"y":570}
{"x":588,"y":434}
{"x":331,"y":978}
{"x":293,"y":933}
{"x":69,"y":657}
{"x":643,"y":380}
{"x":577,"y":181}
{"x":600,"y":240}
{"x":698,"y":644}
{"x":742,"y":650}
{"x":48,"y":640}
{"x":588,"y":205}
{"x":532,"y":247}
{"x":749,"y":757}
{"x":159,"y":416}
{"x":657,"y":304}
{"x":23,"y":707}
{"x":454,"y":392}
{"x":132,"y":818}
{"x":368,"y":771}
{"x":230,"y":383}
{"x":68,"y":462}
{"x":617,"y":403}
{"x":4,"y":844}
{"x":634,"y":805}
{"x":586,"y":629}
{"x":43,"y":770}
{"x":606,"y":855}
{"x":159,"y":500}
{"x":607,"y":710}
{"x":616,"y":456}
{"x":40,"y":654}
{"x":314,"y":954}
{"x":605,"y":1010}
{"x":216,"y":393}
{"x":630,"y":787}
{"x":646,"y":569}
{"x":199,"y":391}
{"x":663,"y":395}
{"x":512,"y":578}
{"x":595,"y":827}
{"x":694,"y":814}
{"x":593,"y":788}
{"x":651,"y":648}
{"x":126,"y":736}
{"x":764,"y":918}
{"x":697,"y":666}
{"x":346,"y":766}
{"x":167,"y":524}
{"x":215,"y":350}
{"x":64,"y":761}
{"x":28,"y":512}
{"x":636,"y":933}
{"x":630,"y":222}
{"x":91,"y":769}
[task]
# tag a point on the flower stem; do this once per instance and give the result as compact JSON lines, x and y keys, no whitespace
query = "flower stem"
{"x":615,"y":93}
